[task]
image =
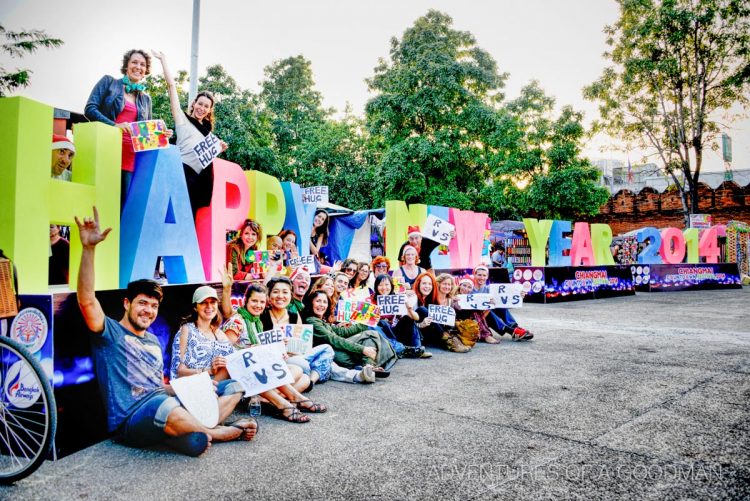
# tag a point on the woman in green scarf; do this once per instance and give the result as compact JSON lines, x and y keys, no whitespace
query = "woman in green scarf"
{"x":242,"y":329}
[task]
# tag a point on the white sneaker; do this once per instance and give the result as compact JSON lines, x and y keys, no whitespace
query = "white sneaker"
{"x":366,"y":375}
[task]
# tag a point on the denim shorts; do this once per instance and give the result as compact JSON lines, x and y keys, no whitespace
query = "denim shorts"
{"x":145,"y":425}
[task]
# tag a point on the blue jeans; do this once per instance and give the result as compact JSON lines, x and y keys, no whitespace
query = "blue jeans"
{"x":500,"y":320}
{"x":318,"y":359}
{"x":145,"y":425}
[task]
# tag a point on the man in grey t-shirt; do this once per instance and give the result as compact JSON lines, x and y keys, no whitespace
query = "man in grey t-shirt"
{"x":141,"y":409}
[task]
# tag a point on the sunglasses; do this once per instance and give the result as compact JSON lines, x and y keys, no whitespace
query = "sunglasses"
{"x":350,"y":270}
{"x":381,"y":265}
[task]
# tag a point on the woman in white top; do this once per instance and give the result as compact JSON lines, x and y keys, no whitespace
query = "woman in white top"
{"x":193,"y":128}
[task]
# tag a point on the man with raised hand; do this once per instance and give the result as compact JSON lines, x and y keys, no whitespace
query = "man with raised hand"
{"x":142,"y":410}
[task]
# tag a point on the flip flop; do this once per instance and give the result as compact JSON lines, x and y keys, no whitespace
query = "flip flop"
{"x":293,"y":416}
{"x":237,"y":425}
{"x":193,"y":444}
{"x":311,"y":407}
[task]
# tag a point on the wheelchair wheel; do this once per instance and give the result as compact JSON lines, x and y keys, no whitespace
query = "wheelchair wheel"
{"x":28,"y":415}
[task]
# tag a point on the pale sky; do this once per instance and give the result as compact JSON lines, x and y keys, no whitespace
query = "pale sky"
{"x":558,"y":43}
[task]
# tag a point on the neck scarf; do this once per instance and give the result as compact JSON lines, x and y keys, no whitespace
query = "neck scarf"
{"x":253,"y":324}
{"x":132,"y":87}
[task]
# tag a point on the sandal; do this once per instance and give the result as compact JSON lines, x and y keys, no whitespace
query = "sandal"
{"x":310,"y":406}
{"x":291,"y":414}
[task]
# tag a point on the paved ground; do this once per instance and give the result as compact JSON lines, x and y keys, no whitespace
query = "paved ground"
{"x":644,"y":397}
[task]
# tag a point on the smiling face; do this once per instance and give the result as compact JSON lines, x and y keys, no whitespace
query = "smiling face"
{"x":300,"y":284}
{"x":328,"y":287}
{"x":207,"y":309}
{"x":290,"y":242}
{"x":137,"y":67}
{"x":480,"y":277}
{"x":410,"y":256}
{"x":445,"y":286}
{"x":202,"y":106}
{"x":320,"y":305}
{"x":141,"y":312}
{"x":320,"y":219}
{"x":350,"y":270}
{"x":384,"y":287}
{"x":425,"y":286}
{"x":275,"y":245}
{"x":280,"y":296}
{"x":256,"y":303}
{"x":415,"y":240}
{"x":341,"y":283}
{"x":465,"y":288}
{"x":249,"y":237}
{"x":61,"y":160}
{"x":364,"y":271}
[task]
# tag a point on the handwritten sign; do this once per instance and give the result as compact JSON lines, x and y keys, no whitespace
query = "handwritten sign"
{"x":507,"y":295}
{"x":399,"y":286}
{"x":272,"y":336}
{"x":148,"y":135}
{"x":300,"y":338}
{"x":359,"y":312}
{"x":198,"y":396}
{"x":444,"y":315}
{"x":309,"y":261}
{"x":392,"y":304}
{"x":315,"y":194}
{"x":475,"y":301}
{"x":207,"y":150}
{"x":438,"y":230}
{"x":260,"y":368}
{"x":259,"y":261}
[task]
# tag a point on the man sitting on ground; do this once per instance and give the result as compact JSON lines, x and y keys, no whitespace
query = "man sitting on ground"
{"x":141,"y":409}
{"x":499,"y":319}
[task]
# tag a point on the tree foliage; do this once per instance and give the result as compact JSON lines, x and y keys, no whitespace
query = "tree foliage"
{"x":18,"y":44}
{"x":676,"y":65}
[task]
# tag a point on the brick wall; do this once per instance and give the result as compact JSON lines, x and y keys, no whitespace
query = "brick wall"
{"x":626,"y":211}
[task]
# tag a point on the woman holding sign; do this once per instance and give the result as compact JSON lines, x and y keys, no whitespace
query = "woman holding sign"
{"x":400,"y":327}
{"x":119,"y":101}
{"x":426,"y":288}
{"x":242,"y":329}
{"x":246,"y":240}
{"x":319,"y":235}
{"x":354,"y":345}
{"x":409,"y":269}
{"x":198,"y":145}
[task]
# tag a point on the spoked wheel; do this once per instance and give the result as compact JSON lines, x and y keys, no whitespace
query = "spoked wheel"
{"x":28,"y":415}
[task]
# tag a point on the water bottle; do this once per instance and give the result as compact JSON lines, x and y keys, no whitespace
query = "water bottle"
{"x":253,"y":407}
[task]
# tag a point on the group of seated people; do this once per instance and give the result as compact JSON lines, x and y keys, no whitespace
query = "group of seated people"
{"x":143,"y":411}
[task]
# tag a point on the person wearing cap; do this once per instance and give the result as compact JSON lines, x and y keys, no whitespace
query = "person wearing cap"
{"x":499,"y":319}
{"x":466,"y":286}
{"x":129,"y":366}
{"x":63,"y":152}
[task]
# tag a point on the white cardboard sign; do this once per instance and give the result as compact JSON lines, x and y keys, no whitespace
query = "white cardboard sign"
{"x":207,"y":150}
{"x":392,"y":304}
{"x":507,"y":295}
{"x":260,"y":368}
{"x":438,"y":230}
{"x":315,"y":194}
{"x":444,"y":315}
{"x":198,"y":396}
{"x":476,"y":301}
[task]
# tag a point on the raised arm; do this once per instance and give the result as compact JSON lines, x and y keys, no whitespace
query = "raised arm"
{"x":226,"y":290}
{"x":90,"y":234}
{"x":174,"y":99}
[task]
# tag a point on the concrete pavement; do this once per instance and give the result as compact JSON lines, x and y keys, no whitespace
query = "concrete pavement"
{"x":641,"y":397}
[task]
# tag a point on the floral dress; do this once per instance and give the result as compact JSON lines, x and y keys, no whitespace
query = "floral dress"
{"x":199,"y":352}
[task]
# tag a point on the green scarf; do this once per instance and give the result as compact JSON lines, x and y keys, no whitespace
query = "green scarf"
{"x":252,"y":323}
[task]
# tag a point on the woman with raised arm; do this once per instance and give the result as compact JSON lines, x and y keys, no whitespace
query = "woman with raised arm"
{"x":319,"y":235}
{"x":192,"y":128}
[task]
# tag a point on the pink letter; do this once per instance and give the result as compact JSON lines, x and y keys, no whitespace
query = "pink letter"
{"x":581,"y":251}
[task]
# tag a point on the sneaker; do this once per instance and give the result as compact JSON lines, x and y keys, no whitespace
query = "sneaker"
{"x":425,"y":354}
{"x":413,"y":352}
{"x":366,"y":375}
{"x":521,"y":334}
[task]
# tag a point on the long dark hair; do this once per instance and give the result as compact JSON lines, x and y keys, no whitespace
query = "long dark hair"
{"x":323,"y":229}
{"x":309,"y":301}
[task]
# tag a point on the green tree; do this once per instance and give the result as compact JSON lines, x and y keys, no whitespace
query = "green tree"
{"x":539,"y":169}
{"x":18,"y":44}
{"x":434,"y":112}
{"x":676,"y":65}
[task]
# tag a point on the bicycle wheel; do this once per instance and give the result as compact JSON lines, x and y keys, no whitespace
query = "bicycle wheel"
{"x":28,"y":415}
